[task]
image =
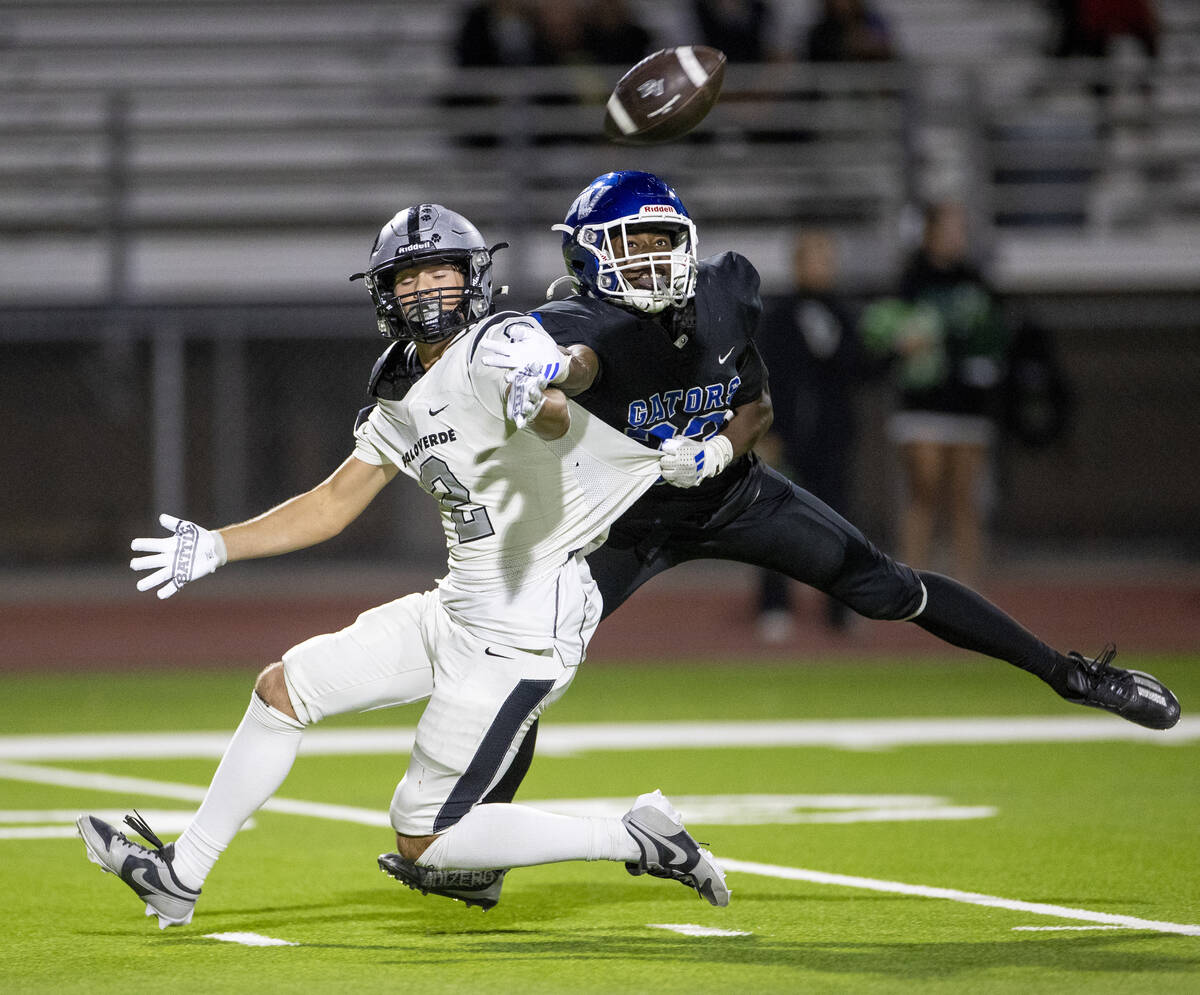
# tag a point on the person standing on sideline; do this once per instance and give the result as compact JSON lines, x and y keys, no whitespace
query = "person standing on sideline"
{"x":948,"y":341}
{"x":808,"y":339}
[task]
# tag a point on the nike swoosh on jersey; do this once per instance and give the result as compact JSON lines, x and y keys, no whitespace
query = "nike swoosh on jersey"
{"x":488,"y":651}
{"x":434,"y":414}
{"x":726,"y":356}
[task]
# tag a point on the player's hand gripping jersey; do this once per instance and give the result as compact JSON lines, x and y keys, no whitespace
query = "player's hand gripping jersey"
{"x":515,"y":509}
{"x":680,"y":376}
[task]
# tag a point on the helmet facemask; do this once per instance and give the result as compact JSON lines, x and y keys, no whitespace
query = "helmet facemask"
{"x":648,"y":282}
{"x":436,"y":313}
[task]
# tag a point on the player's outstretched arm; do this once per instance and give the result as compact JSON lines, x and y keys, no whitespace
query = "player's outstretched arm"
{"x":190,"y":551}
{"x":311,"y":517}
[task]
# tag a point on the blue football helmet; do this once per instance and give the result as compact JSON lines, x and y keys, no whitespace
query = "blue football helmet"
{"x":595,"y":232}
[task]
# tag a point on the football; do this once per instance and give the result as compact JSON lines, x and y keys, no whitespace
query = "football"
{"x":665,"y":95}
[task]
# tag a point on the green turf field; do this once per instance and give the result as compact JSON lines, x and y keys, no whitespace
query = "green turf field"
{"x":1058,"y":854}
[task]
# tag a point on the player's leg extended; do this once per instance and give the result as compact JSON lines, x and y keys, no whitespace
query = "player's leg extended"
{"x":451,"y":843}
{"x":788,"y":529}
{"x":619,"y":568}
{"x":357,"y":668}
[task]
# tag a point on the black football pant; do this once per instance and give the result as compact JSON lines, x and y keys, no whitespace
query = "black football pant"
{"x":783,"y":527}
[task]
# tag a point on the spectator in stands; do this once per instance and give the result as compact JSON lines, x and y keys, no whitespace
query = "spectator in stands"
{"x":550,"y":33}
{"x":848,"y":31}
{"x":613,"y":35}
{"x":501,"y":33}
{"x":739,"y":28}
{"x":809,"y":342}
{"x":948,"y":340}
{"x":1089,"y":27}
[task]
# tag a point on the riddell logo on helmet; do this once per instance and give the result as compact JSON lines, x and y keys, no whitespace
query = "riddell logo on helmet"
{"x":658,"y":209}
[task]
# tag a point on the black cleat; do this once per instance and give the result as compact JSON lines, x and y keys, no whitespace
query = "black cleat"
{"x":480,"y":888}
{"x":1130,"y":694}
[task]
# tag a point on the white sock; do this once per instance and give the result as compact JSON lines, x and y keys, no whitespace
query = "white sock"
{"x":257,"y":760}
{"x":494,"y":836}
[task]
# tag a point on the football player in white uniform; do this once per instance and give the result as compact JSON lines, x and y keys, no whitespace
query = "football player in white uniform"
{"x":527,"y":483}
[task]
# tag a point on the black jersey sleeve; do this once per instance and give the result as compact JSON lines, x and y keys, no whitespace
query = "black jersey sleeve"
{"x":736,"y":283}
{"x":740,"y":282}
{"x":753,"y":372}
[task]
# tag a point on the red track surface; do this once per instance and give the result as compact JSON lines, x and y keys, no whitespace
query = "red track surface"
{"x":53,"y":632}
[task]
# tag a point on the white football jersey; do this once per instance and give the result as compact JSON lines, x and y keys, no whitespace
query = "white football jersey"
{"x":515,"y":508}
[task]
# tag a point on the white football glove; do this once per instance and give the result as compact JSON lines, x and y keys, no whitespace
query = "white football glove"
{"x":686,"y":462}
{"x":188,"y":553}
{"x":524,"y":349}
{"x":526,"y":394}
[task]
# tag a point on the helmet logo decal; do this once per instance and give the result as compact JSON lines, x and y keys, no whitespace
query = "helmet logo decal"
{"x":419,"y":236}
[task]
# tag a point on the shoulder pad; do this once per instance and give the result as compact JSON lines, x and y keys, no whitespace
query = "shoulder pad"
{"x":584,"y":320}
{"x":736,"y":271}
{"x":492,"y":322}
{"x":395,"y":372}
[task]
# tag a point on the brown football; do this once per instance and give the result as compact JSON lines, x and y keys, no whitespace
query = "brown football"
{"x":665,"y":95}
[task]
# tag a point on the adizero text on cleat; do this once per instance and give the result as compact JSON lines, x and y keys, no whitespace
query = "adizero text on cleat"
{"x":147,"y":871}
{"x":480,"y":888}
{"x":668,"y":850}
{"x":1131,"y":694}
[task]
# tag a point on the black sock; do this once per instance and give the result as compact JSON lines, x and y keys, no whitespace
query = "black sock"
{"x":964,"y":618}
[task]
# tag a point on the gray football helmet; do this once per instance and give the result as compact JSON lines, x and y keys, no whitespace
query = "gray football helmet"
{"x":421,"y":234}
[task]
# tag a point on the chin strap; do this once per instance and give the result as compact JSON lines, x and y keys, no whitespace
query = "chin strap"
{"x":550,"y":290}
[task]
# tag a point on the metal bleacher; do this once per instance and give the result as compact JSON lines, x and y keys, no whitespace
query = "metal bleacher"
{"x":167,"y":134}
{"x":185,"y":187}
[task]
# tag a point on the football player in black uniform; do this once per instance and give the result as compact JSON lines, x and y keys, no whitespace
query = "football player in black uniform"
{"x":661,"y":346}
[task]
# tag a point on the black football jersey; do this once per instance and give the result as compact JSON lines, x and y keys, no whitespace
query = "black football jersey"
{"x":679,"y":374}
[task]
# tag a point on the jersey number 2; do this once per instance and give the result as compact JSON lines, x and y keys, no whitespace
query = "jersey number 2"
{"x":471,"y":522}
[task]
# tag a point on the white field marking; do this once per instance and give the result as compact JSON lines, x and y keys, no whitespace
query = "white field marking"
{"x":369,"y":817}
{"x":569,"y":739}
{"x":765,"y":810}
{"x":1061,"y":929}
{"x":250,"y":939}
{"x":60,"y":823}
{"x":691,"y":929}
{"x":729,"y":810}
{"x":95,"y":781}
{"x":953,"y":895}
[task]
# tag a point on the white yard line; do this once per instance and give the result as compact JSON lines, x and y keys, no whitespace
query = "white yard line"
{"x":250,"y":939}
{"x":692,"y":929}
{"x":953,"y":895}
{"x":571,"y":738}
{"x":566,"y":739}
{"x":140,"y":786}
